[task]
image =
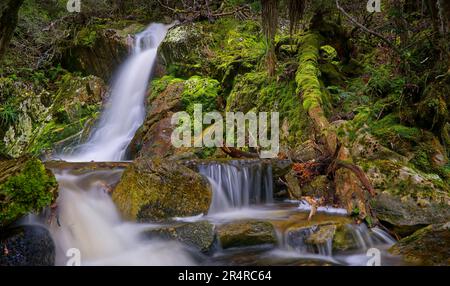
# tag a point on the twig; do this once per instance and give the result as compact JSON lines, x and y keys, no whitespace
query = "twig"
{"x":376,"y":34}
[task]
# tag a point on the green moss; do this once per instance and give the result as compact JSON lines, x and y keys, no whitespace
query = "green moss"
{"x":307,"y":77}
{"x":28,"y":191}
{"x":86,"y":37}
{"x":389,"y":128}
{"x":198,"y":90}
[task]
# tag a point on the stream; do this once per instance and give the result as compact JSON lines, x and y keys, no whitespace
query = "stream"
{"x":89,"y":221}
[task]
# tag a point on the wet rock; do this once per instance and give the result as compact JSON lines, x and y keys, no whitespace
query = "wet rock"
{"x":406,"y":216}
{"x":157,"y":190}
{"x":246,"y":233}
{"x":408,"y":198}
{"x":97,"y":50}
{"x":153,"y":138}
{"x":29,"y":245}
{"x":343,"y":239}
{"x":323,"y":235}
{"x":198,"y":234}
{"x":427,"y":246}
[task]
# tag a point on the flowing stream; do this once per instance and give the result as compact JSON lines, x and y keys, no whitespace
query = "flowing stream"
{"x":89,"y":222}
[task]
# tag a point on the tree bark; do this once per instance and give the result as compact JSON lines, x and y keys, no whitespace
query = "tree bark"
{"x":9,"y":10}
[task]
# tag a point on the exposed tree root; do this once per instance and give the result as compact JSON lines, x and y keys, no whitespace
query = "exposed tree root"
{"x":338,"y":164}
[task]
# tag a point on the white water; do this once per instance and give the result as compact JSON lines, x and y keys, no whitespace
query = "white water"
{"x":238,"y":184}
{"x":88,"y":221}
{"x":87,"y":217}
{"x":125,"y":109}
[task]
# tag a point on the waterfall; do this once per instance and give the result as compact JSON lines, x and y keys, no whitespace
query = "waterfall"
{"x":88,"y":220}
{"x":238,"y":184}
{"x":125,"y":110}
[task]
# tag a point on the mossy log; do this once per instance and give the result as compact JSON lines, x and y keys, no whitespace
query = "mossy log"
{"x":349,"y":192}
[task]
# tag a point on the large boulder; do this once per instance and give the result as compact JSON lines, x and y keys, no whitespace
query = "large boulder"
{"x":157,"y":190}
{"x":408,"y":198}
{"x":169,"y":95}
{"x":199,"y":235}
{"x":246,"y":233}
{"x":28,"y":245}
{"x":25,"y":186}
{"x":427,"y":246}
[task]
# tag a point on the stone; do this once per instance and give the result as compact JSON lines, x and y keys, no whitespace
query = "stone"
{"x":246,"y":233}
{"x":199,"y":235}
{"x":406,"y":216}
{"x":427,"y":246}
{"x":29,"y":245}
{"x":157,"y":190}
{"x":323,"y":235}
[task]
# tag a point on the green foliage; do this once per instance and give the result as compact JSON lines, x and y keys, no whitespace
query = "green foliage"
{"x":86,"y":37}
{"x":28,"y":191}
{"x":8,"y":115}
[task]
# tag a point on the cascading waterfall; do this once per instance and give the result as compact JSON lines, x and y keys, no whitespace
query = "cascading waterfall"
{"x":88,"y":220}
{"x":238,"y":184}
{"x":125,"y":109}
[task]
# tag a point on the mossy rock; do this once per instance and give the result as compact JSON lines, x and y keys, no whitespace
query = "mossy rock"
{"x":246,"y":233}
{"x":323,"y":235}
{"x":28,"y":245}
{"x":427,"y":246}
{"x":157,"y":190}
{"x":25,"y":186}
{"x":198,"y":234}
{"x":98,"y":49}
{"x":343,"y":239}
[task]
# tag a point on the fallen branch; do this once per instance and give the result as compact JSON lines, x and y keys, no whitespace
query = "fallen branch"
{"x":236,"y":153}
{"x":364,"y":28}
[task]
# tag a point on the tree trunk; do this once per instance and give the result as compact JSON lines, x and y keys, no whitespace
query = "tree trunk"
{"x":9,"y":10}
{"x":349,"y":192}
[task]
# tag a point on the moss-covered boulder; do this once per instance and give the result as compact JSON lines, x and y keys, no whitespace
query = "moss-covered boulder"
{"x":157,"y":190}
{"x":167,"y":96}
{"x":29,"y":245}
{"x":246,"y":233}
{"x":25,"y":186}
{"x":199,"y":235}
{"x":427,"y":246}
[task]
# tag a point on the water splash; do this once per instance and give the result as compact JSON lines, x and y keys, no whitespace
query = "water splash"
{"x":89,"y":221}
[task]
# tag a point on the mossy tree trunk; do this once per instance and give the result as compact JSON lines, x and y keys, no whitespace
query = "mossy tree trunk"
{"x":9,"y":10}
{"x":348,"y":191}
